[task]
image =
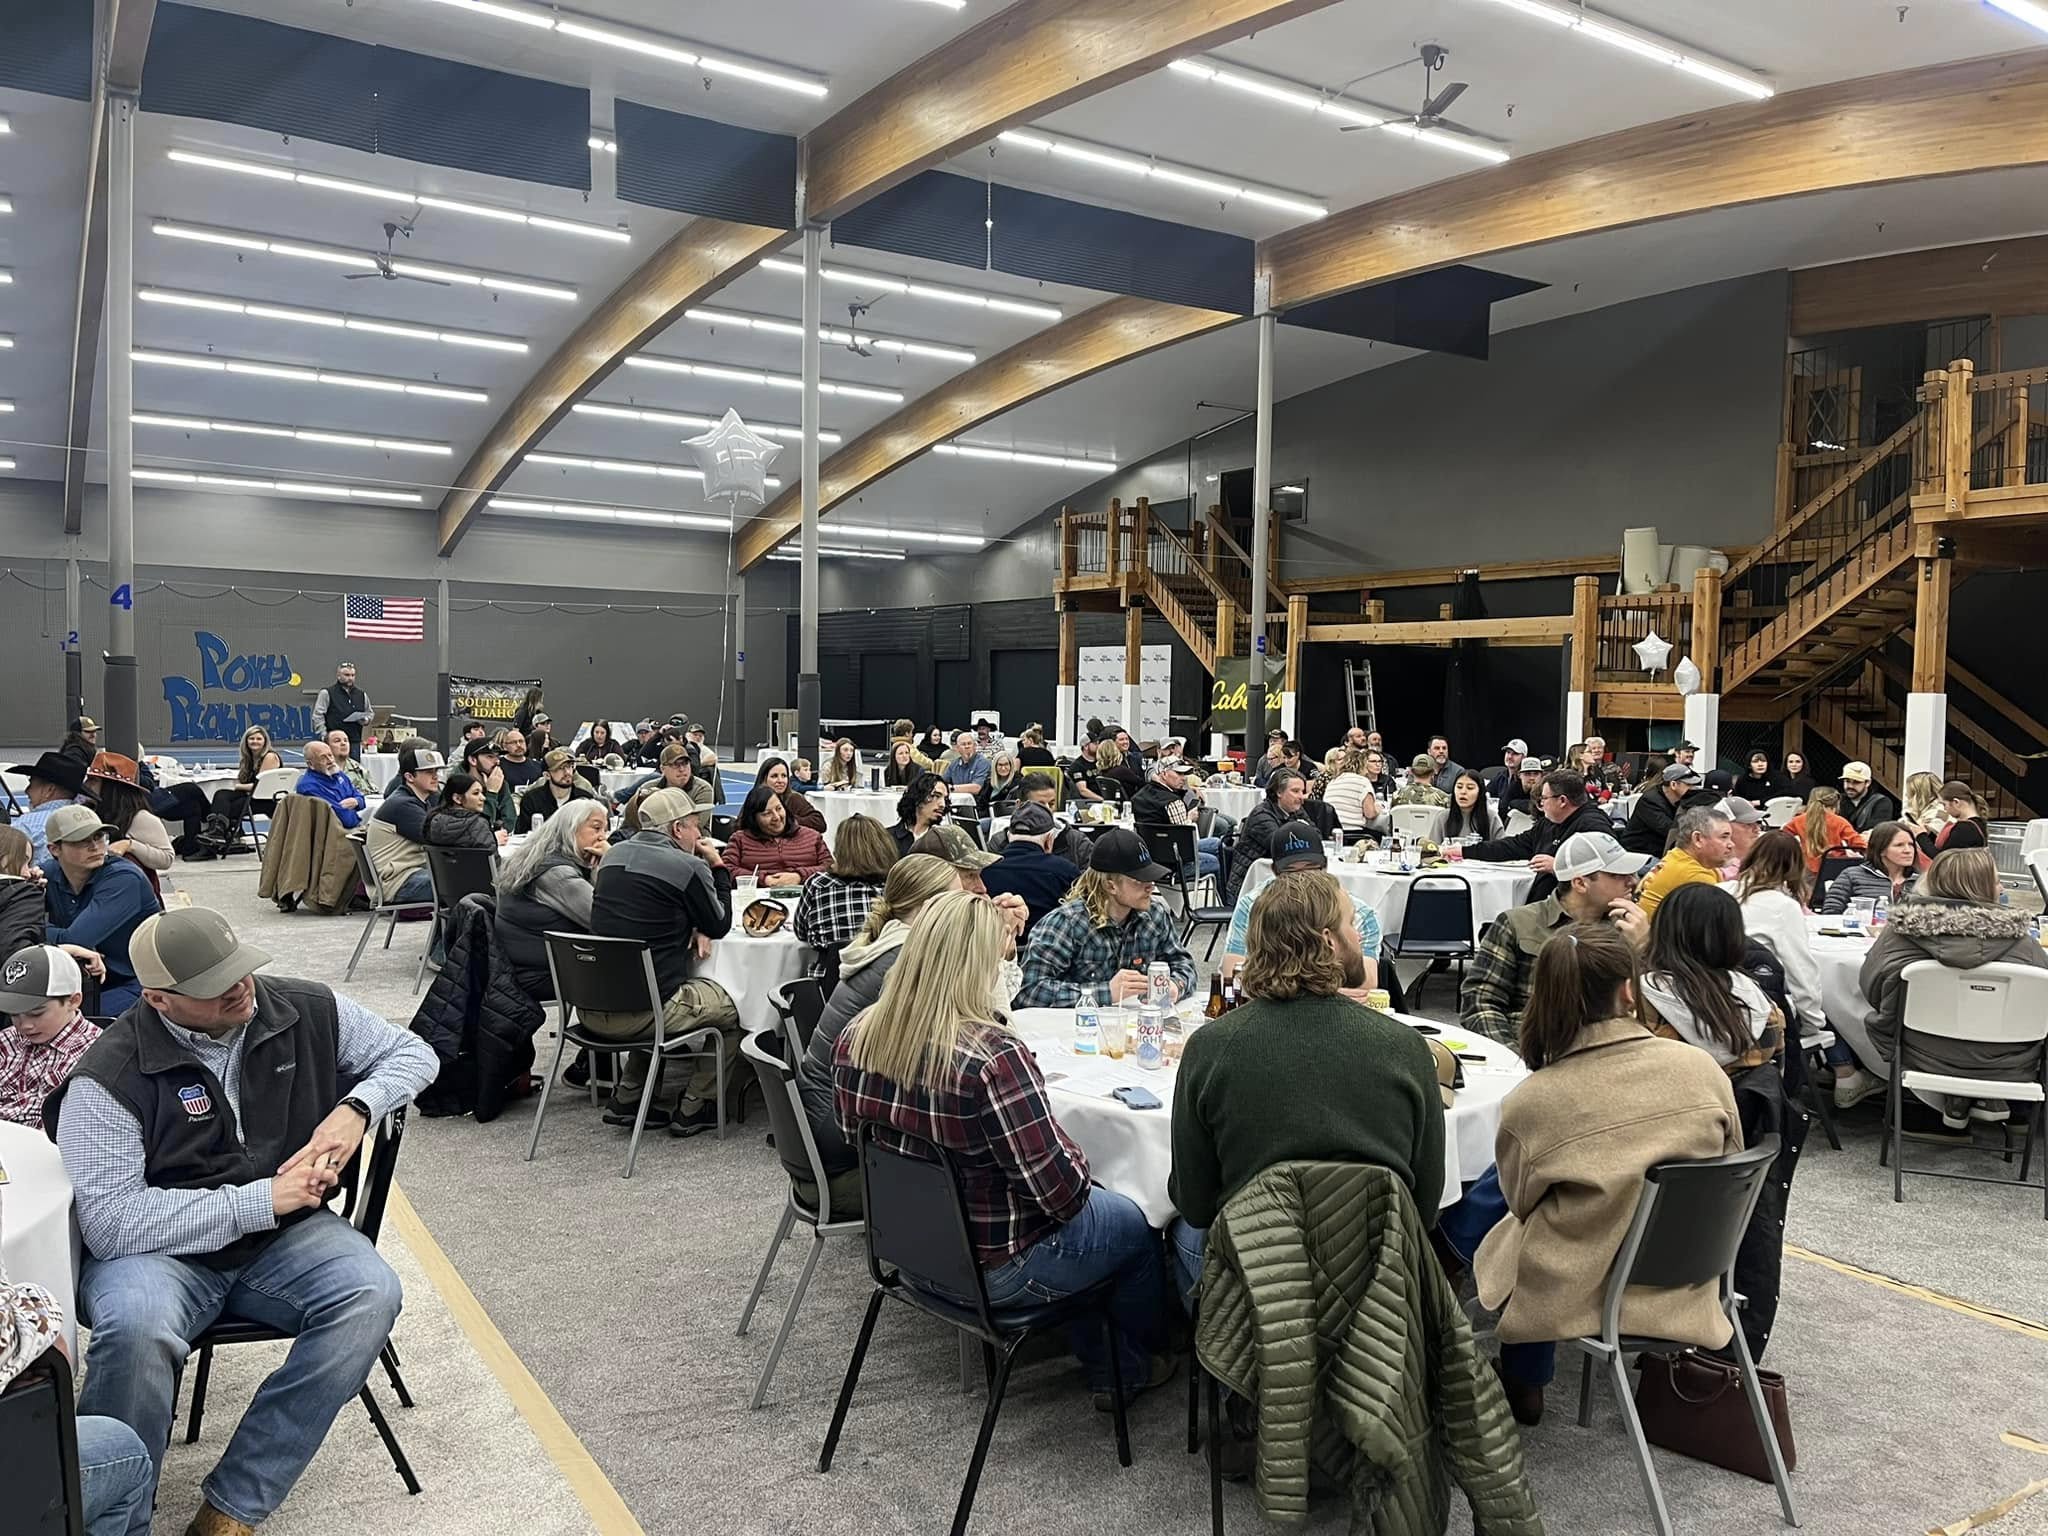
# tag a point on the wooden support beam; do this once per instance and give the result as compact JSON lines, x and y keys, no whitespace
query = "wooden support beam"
{"x":1098,"y":338}
{"x":1930,"y":626}
{"x":1585,"y":633}
{"x":1993,"y":277}
{"x":1450,"y":575}
{"x":1957,"y":434}
{"x":1070,"y":545}
{"x":1437,"y":631}
{"x":1706,"y":626}
{"x":1134,"y":644}
{"x":1226,"y":628}
{"x":1937,"y":120}
{"x":1070,"y":648}
{"x":1298,"y":628}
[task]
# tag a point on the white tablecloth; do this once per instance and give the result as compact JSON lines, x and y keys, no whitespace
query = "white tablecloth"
{"x":1495,"y":888}
{"x":380,"y":766}
{"x":615,"y":779}
{"x":1238,"y":800}
{"x":751,"y":968}
{"x":835,"y":805}
{"x":1131,"y":1150}
{"x":41,"y":1241}
{"x":1841,"y":993}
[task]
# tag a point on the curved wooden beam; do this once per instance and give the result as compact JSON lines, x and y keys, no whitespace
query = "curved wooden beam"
{"x":699,"y":261}
{"x":1942,"y":120}
{"x":1079,"y":345}
{"x":1034,"y":57}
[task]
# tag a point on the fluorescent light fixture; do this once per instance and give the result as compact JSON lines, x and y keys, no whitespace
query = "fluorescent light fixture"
{"x":907,"y":535}
{"x":951,"y":5}
{"x":1213,"y":183}
{"x":281,"y":487}
{"x":300,"y":434}
{"x":6,"y":463}
{"x":6,"y":205}
{"x":882,"y":282}
{"x":621,"y":466}
{"x":6,"y":342}
{"x":298,"y":315}
{"x":462,"y":277}
{"x":398,"y":195}
{"x":651,"y":45}
{"x":1305,"y":98}
{"x":6,"y":277}
{"x":897,"y":345}
{"x":5,"y":125}
{"x":792,"y":557}
{"x":2025,"y":10}
{"x":1019,"y":456}
{"x":1658,"y":50}
{"x":603,"y":145}
{"x":731,"y":375}
{"x":686,"y":419}
{"x":290,"y":373}
{"x":1291,"y":490}
{"x":6,"y":407}
{"x":520,"y":506}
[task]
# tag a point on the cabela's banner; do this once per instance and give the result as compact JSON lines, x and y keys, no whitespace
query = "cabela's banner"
{"x":1233,"y":680}
{"x":195,"y":717}
{"x":487,"y":698}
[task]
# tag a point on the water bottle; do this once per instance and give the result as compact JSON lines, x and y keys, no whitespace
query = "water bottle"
{"x":1087,"y":1025}
{"x":1881,"y":914}
{"x":1152,"y":1019}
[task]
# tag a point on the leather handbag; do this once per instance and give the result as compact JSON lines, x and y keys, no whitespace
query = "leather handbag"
{"x":1693,"y":1404}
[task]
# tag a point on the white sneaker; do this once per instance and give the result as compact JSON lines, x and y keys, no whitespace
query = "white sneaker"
{"x":1991,"y":1111}
{"x":1856,"y":1087}
{"x":1955,"y":1112}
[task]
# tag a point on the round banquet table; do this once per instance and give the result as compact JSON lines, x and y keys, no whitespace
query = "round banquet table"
{"x":615,"y":779}
{"x":1495,"y":888}
{"x":751,"y":968}
{"x":1841,"y":990}
{"x":41,"y":1241}
{"x":835,"y":805}
{"x":1131,"y":1150}
{"x":1238,"y":800}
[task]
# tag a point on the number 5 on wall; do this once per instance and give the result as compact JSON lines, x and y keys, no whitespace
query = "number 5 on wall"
{"x":122,"y":596}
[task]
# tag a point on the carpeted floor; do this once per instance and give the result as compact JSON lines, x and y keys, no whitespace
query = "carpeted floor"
{"x":621,"y":1298}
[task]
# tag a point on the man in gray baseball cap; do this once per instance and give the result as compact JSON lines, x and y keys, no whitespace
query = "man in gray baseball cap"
{"x":95,"y":898}
{"x":204,"y":1132}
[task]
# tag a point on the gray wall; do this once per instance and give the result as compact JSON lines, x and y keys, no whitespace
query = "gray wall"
{"x":286,"y":561}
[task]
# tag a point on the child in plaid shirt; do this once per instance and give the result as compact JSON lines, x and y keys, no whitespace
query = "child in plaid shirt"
{"x":40,"y":990}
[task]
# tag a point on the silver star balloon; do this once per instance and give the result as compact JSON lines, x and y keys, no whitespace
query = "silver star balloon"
{"x":1653,"y":651}
{"x":734,"y":459}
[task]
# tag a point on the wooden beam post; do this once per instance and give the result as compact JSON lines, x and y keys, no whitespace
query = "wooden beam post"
{"x":1113,"y":545}
{"x":1070,"y":648}
{"x":2016,"y":436}
{"x":1134,"y":647}
{"x":1706,"y":626}
{"x":1585,"y":632}
{"x":1226,"y":628}
{"x":1930,"y":626}
{"x":1375,"y":610}
{"x":1070,"y":546}
{"x":1141,"y":537}
{"x":1794,"y":736}
{"x":1781,"y":487}
{"x":1297,"y":635}
{"x":1956,"y":414}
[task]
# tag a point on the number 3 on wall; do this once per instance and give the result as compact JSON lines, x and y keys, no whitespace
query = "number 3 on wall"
{"x":122,"y":596}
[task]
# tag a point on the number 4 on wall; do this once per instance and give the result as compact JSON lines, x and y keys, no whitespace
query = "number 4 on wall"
{"x":122,"y":596}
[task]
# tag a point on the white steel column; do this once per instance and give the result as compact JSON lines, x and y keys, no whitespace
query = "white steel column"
{"x":807,"y":687}
{"x":1262,"y":512}
{"x":120,"y":695}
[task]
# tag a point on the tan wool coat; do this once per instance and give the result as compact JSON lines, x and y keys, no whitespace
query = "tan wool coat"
{"x":1574,"y":1142}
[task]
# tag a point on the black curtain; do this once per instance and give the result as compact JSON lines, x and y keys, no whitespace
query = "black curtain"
{"x":1469,"y":683}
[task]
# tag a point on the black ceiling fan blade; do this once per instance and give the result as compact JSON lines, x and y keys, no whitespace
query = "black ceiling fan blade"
{"x":1435,"y":105}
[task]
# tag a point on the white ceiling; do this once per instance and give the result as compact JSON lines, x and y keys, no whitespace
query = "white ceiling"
{"x":1561,"y":87}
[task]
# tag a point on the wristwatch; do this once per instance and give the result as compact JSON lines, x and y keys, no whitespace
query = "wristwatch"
{"x":356,"y":1104}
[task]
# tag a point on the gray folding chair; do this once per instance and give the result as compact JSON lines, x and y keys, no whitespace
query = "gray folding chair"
{"x":798,"y":1149}
{"x":617,"y":976}
{"x":381,"y":905}
{"x":1688,"y":1226}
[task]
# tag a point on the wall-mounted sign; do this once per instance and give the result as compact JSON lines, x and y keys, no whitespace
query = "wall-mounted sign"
{"x":197,"y":717}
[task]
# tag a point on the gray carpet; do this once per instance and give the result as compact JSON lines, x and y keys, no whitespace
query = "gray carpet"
{"x":622,"y":1296}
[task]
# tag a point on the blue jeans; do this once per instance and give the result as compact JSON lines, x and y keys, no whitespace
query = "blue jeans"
{"x":117,"y":997}
{"x":115,"y":1478}
{"x":417,"y":886}
{"x":319,"y":1280}
{"x":1108,"y":1236}
{"x":1187,"y":1245}
{"x":1463,"y":1227}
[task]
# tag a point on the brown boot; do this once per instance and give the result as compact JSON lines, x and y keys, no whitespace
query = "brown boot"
{"x":211,"y":1522}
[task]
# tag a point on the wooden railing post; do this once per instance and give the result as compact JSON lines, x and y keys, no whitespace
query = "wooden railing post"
{"x":1957,"y":416}
{"x":1226,"y":628}
{"x":1141,"y":536}
{"x":1070,"y":546}
{"x":1930,"y":623}
{"x":1706,"y":625}
{"x":1113,"y":556}
{"x":2016,"y":436}
{"x":1585,"y":632}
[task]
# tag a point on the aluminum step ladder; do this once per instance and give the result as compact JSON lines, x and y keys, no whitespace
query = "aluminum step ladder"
{"x":1358,"y":688}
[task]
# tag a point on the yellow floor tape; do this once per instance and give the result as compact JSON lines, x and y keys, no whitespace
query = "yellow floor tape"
{"x":1991,"y":1315}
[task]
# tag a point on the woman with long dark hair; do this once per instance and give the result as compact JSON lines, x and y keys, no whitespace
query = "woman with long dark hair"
{"x":139,"y":836}
{"x":1886,"y":873}
{"x":1795,"y":780}
{"x":457,"y":819}
{"x":769,"y":844}
{"x":1760,"y":783}
{"x":597,"y":746}
{"x":901,"y":768}
{"x":775,"y":774}
{"x":1605,"y":1101}
{"x":1964,"y":827}
{"x":1693,"y":979}
{"x":920,"y":807}
{"x":1469,"y":815}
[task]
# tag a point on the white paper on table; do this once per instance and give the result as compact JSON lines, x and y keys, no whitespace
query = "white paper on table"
{"x":1097,"y":1076}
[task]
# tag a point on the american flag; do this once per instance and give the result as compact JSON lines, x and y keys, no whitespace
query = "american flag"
{"x":384,"y":618}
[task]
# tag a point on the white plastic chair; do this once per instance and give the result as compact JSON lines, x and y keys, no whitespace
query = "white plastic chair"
{"x":1780,"y":809}
{"x":270,"y":784}
{"x":1996,"y":1004}
{"x":1424,"y":821}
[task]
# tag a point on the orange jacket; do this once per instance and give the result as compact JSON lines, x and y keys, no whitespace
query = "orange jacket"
{"x":1840,"y":835}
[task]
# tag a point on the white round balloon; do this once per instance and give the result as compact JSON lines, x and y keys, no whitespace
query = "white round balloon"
{"x":1687,"y":678}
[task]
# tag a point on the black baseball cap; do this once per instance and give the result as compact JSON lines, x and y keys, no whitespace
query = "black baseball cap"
{"x":483,"y":746}
{"x":1032,"y":820}
{"x":1298,"y":846}
{"x":1120,"y":851}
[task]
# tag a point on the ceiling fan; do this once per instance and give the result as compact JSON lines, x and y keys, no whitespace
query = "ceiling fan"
{"x":382,"y":258}
{"x":1433,"y":57}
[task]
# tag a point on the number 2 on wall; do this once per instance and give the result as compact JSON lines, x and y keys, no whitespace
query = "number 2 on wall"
{"x":122,"y":596}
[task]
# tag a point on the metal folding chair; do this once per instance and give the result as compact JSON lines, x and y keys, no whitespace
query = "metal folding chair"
{"x":1436,"y":924}
{"x":455,"y":873}
{"x":381,"y":905}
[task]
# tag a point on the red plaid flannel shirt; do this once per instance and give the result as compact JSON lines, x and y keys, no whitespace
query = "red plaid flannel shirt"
{"x":1022,"y":1176}
{"x":29,"y":1074}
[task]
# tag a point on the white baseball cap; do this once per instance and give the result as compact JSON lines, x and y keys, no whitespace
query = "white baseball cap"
{"x":31,"y":977}
{"x":1595,"y":853}
{"x":1517,"y":746}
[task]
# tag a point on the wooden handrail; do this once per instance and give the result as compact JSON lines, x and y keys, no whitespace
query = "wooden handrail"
{"x":1276,"y":596}
{"x":1827,"y":496}
{"x":1217,"y":590}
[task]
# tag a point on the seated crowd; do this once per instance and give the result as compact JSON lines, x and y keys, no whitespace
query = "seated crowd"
{"x":1662,"y":960}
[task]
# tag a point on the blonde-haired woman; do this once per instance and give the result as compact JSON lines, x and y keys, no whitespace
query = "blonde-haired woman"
{"x":934,"y":1061}
{"x":1821,"y":830}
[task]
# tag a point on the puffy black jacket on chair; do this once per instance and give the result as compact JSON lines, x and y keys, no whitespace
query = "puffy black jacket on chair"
{"x":478,"y":1019}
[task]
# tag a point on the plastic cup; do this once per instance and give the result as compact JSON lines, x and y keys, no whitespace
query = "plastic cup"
{"x":1116,"y":1033}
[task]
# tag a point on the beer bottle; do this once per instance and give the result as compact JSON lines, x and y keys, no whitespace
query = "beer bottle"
{"x":1216,"y":1005}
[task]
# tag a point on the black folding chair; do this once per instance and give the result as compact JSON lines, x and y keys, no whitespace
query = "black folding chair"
{"x":771,"y":1058}
{"x":969,"y":819}
{"x":366,"y":1187}
{"x":918,"y":1239}
{"x":1174,"y":847}
{"x":799,"y":1004}
{"x":456,"y":873}
{"x":1687,"y":1229}
{"x":1436,"y":924}
{"x":617,"y":976}
{"x":1832,"y":863}
{"x":1112,"y":790}
{"x":39,"y":1450}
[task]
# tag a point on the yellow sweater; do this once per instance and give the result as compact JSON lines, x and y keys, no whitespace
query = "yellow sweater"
{"x":1679,"y":868}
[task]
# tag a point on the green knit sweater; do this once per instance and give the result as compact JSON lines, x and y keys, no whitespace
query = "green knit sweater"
{"x":1317,"y":1079}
